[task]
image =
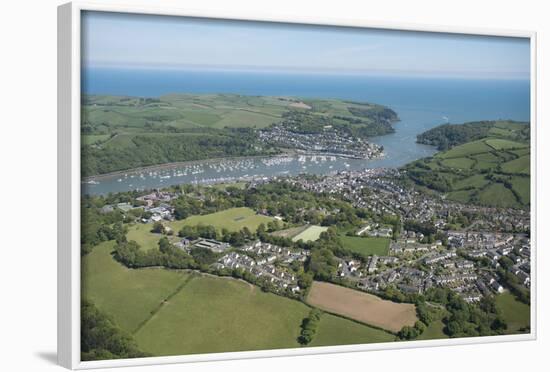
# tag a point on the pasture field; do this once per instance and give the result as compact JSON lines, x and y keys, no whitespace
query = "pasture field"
{"x":475,"y":181}
{"x":172,"y":312}
{"x":462,"y":196}
{"x":501,"y":144}
{"x":219,"y":315}
{"x":361,"y":306}
{"x":334,"y":330}
{"x":522,"y":185}
{"x":310,"y":234}
{"x":476,"y":147}
{"x":520,"y":165}
{"x":516,"y":313}
{"x":499,"y":196}
{"x":128,"y":296}
{"x":233,"y":219}
{"x":490,"y":171}
{"x":366,"y":246}
{"x":459,"y":163}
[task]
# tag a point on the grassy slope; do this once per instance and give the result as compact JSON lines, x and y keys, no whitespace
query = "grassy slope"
{"x":517,"y":314}
{"x":218,"y":315}
{"x":463,"y":165}
{"x":127,"y":295}
{"x":207,"y":314}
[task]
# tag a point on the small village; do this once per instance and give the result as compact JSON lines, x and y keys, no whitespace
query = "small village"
{"x":327,"y":142}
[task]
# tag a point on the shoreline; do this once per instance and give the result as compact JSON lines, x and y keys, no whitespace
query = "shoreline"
{"x":286,"y":152}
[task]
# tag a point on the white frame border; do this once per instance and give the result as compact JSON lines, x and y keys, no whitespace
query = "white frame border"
{"x":69,"y":98}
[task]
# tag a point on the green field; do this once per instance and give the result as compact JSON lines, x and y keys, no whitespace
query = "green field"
{"x":366,"y":246}
{"x":520,"y":165}
{"x":490,"y":171}
{"x":516,"y":313}
{"x":433,"y":332}
{"x":127,"y":295}
{"x":187,"y":127}
{"x":172,"y":313}
{"x":498,"y":195}
{"x":501,"y":144}
{"x":219,"y":315}
{"x":233,"y":219}
{"x":334,"y":330}
{"x":310,"y":234}
{"x":141,"y":233}
{"x":459,"y":163}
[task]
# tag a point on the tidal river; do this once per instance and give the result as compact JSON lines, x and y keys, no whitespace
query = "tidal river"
{"x":421,"y":103}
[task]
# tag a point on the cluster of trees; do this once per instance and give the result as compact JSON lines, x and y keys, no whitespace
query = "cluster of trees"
{"x":166,"y":149}
{"x":410,"y":333}
{"x":512,"y":282}
{"x":423,"y":175}
{"x":450,"y":135}
{"x":131,"y":255}
{"x":97,"y":227}
{"x":426,"y":228}
{"x":468,"y":320}
{"x":236,"y":238}
{"x":373,"y":112}
{"x":309,"y":326}
{"x":101,"y":339}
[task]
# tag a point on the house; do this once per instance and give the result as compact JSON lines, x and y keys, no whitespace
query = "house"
{"x":497,"y":287}
{"x":107,"y":209}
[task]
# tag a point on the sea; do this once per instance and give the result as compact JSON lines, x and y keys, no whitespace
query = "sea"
{"x":420,"y":102}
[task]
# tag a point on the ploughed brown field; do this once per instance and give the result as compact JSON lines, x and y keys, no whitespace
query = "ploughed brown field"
{"x":361,"y":306}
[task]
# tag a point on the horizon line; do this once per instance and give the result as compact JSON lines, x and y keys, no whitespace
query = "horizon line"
{"x":478,"y":75}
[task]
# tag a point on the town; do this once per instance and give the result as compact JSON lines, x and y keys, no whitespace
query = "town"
{"x":463,"y":248}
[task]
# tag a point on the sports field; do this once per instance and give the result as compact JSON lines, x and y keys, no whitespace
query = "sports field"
{"x":290,"y":232}
{"x":366,"y":246}
{"x":361,"y":306}
{"x":233,"y":219}
{"x":310,"y":234}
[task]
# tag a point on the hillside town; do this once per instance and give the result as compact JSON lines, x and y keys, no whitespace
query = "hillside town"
{"x":326,"y":142}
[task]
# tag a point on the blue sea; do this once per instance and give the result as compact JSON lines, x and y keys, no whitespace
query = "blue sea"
{"x":421,"y":103}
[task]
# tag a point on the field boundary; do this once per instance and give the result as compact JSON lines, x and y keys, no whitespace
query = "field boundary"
{"x":159,"y":306}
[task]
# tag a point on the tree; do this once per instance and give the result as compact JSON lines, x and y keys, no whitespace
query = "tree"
{"x":158,"y":228}
{"x":309,"y":326}
{"x":102,"y":339}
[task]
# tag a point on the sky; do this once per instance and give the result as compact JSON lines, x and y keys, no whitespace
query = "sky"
{"x":163,"y":42}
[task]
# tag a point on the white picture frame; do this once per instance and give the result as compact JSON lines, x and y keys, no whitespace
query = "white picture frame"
{"x":69,"y":184}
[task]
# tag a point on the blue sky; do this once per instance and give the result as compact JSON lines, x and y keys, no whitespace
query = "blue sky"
{"x":160,"y":42}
